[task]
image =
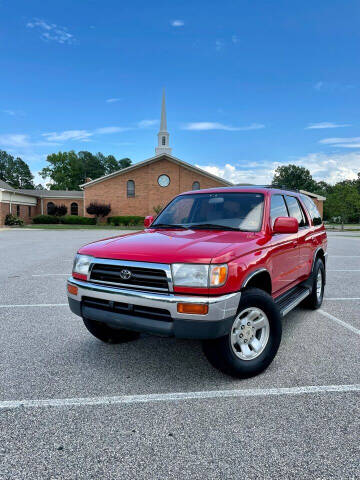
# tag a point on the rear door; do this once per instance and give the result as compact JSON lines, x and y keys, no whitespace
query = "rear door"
{"x":284,"y":252}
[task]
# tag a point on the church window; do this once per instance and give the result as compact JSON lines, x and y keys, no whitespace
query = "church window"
{"x":163,"y":141}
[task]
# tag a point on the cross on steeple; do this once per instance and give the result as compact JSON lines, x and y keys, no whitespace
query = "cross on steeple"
{"x":163,"y":135}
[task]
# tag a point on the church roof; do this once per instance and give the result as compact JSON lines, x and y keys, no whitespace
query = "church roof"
{"x":5,"y":186}
{"x":167,"y":156}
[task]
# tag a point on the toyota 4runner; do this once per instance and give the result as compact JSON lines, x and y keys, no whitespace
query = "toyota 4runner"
{"x":222,"y":265}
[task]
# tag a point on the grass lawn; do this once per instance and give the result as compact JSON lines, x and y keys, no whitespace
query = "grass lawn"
{"x":78,"y":227}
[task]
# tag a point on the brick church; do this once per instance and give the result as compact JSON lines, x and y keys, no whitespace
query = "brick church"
{"x":135,"y":190}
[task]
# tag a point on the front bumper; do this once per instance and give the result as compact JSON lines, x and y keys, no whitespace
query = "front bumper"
{"x":216,"y":323}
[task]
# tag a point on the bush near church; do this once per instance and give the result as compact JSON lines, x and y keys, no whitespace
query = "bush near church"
{"x":100,"y":210}
{"x":11,"y":220}
{"x":125,"y":220}
{"x":66,"y":220}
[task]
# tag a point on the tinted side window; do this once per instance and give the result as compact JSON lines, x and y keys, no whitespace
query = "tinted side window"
{"x":278,"y":208}
{"x":313,"y":211}
{"x":296,"y":211}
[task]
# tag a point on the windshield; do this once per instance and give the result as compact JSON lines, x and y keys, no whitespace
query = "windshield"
{"x":240,"y":211}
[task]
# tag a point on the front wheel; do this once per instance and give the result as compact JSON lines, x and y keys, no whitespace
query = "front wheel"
{"x":253,"y":340}
{"x":108,"y":334}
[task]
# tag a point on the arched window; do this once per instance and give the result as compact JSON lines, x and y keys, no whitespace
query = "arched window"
{"x":50,"y":208}
{"x":74,"y":209}
{"x":130,"y":187}
{"x":163,"y":140}
{"x":196,"y":186}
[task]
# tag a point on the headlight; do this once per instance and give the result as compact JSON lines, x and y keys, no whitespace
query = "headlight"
{"x":82,"y":264}
{"x":195,"y":275}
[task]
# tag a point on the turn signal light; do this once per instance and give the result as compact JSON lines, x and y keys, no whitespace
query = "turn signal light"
{"x":218,"y":275}
{"x":72,"y":289}
{"x":194,"y":308}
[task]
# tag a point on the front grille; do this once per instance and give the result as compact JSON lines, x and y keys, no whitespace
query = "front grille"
{"x":141,"y":277}
{"x":128,"y":309}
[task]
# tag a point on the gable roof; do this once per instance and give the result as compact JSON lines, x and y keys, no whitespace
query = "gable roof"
{"x":152,"y":160}
{"x":5,"y":186}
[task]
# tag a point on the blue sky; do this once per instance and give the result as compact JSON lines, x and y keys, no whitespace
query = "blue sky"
{"x":249,"y":84}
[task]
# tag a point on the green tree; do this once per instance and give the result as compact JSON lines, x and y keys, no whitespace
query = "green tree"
{"x":343,"y":203}
{"x":15,"y":171}
{"x":68,"y":170}
{"x":294,"y":177}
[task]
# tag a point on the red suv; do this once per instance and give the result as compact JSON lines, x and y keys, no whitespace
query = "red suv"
{"x":222,"y":265}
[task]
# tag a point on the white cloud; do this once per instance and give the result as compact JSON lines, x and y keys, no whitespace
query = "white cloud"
{"x":219,"y":45}
{"x":14,"y":140}
{"x":10,"y":112}
{"x":321,"y":125}
{"x":177,"y":23}
{"x":319,"y":85}
{"x":18,"y":140}
{"x":330,"y":168}
{"x":112,"y":100}
{"x":147,"y":123}
{"x":199,"y":126}
{"x":106,"y":130}
{"x":68,"y":135}
{"x":347,"y":142}
{"x":51,"y":31}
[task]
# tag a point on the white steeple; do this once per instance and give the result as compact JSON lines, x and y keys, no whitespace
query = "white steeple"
{"x":163,"y":135}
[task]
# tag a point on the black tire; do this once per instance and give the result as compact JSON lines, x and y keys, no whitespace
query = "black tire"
{"x":220,"y":352}
{"x":107,"y":334}
{"x":314,"y":301}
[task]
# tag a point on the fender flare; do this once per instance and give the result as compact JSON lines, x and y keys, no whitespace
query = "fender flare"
{"x":252,"y":275}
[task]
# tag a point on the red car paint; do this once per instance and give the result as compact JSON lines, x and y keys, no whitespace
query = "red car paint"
{"x":288,"y":257}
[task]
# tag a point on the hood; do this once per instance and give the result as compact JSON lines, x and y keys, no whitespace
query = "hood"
{"x":174,"y":246}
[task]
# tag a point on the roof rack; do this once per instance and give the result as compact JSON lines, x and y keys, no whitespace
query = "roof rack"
{"x":278,"y":187}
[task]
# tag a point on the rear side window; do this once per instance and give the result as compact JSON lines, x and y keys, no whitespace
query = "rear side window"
{"x":312,"y":209}
{"x":296,"y":211}
{"x":278,"y":208}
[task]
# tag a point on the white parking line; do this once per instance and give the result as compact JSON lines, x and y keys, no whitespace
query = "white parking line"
{"x":51,"y":274}
{"x":343,"y":270}
{"x":340,"y":322}
{"x":341,"y":298}
{"x":37,"y":305}
{"x":174,"y":397}
{"x":344,"y":256}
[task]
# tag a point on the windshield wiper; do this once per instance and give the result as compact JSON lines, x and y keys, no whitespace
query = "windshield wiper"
{"x":214,"y":226}
{"x":168,"y":225}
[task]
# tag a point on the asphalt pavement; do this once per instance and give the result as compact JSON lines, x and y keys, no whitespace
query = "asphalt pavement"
{"x":74,"y":408}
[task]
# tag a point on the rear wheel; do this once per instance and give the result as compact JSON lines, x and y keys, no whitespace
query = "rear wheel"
{"x":253,"y":340}
{"x":108,"y":334}
{"x":315,"y":299}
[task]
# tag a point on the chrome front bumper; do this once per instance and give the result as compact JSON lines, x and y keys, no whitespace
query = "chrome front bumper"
{"x":216,"y":322}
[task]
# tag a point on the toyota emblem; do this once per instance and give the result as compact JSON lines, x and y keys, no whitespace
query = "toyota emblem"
{"x":125,"y":274}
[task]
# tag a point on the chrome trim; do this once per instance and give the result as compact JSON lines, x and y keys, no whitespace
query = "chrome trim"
{"x":220,"y":307}
{"x":128,"y":263}
{"x":252,"y":275}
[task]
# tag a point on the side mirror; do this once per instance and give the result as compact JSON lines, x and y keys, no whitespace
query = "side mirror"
{"x":148,"y":221}
{"x":286,"y":225}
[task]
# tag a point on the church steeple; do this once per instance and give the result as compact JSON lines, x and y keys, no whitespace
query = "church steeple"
{"x":163,"y":135}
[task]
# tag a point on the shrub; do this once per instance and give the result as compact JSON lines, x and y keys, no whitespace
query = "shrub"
{"x":13,"y":220}
{"x":45,"y":219}
{"x":157,"y":209}
{"x":61,"y":210}
{"x":100,"y":210}
{"x":76,"y":220}
{"x":125,"y":220}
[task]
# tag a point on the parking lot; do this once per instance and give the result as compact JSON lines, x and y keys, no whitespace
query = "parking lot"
{"x":73,"y":407}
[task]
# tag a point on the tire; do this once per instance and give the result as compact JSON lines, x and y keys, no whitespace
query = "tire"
{"x":315,"y":299}
{"x":107,"y":334}
{"x":228,"y":357}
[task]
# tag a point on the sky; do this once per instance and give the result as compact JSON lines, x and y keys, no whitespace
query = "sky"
{"x":250,"y":85}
